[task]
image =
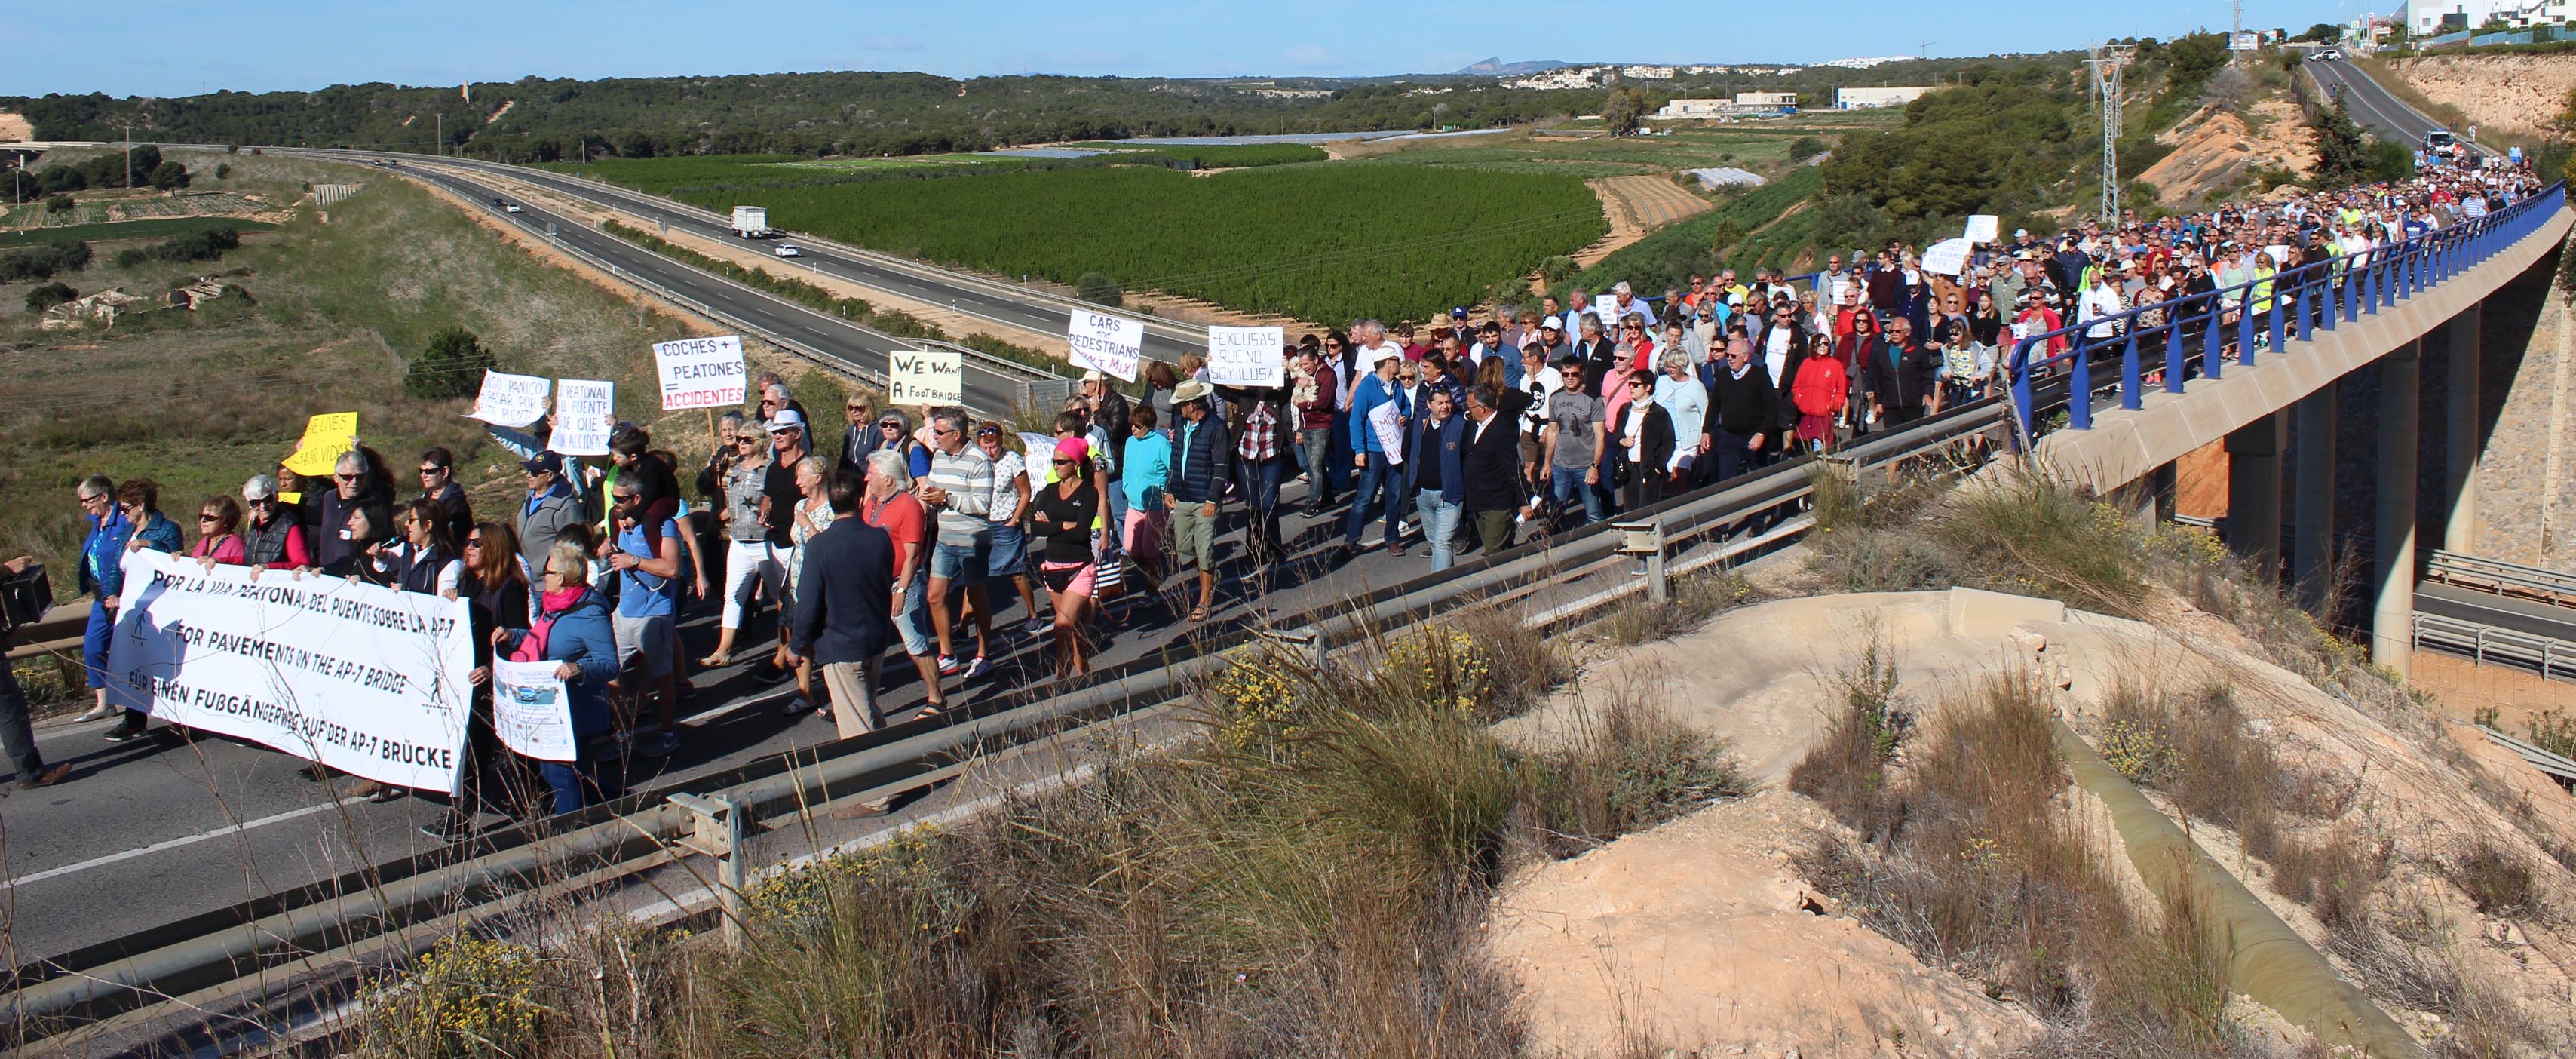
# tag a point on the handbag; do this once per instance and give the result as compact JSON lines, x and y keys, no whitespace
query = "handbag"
{"x":25,"y":597}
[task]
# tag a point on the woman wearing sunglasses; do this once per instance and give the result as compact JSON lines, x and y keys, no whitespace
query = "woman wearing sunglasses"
{"x":1066,"y":512}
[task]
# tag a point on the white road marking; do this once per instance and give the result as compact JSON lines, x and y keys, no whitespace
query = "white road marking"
{"x":190,"y":840}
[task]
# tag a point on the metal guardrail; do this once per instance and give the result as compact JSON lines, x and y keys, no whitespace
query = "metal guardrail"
{"x":2311,"y":298}
{"x":379,"y":912}
{"x":2503,"y":578}
{"x":2547,"y":656}
{"x":2555,"y":765}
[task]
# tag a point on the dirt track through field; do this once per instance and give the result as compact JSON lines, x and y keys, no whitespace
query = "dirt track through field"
{"x":1636,"y":205}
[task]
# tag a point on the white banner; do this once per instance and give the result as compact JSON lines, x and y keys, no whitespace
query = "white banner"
{"x":530,"y":710}
{"x":926,"y":377}
{"x":1246,"y":356}
{"x":701,"y":372}
{"x":511,"y":400}
{"x":1984,"y":228}
{"x":1113,"y":344}
{"x":367,"y":680}
{"x":1039,"y":454}
{"x":585,"y":414}
{"x":1388,"y":421}
{"x":1949,"y":257}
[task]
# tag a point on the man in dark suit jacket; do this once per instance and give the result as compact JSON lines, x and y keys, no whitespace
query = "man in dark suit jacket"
{"x":1899,"y":378}
{"x":845,"y":603}
{"x":1495,"y":493}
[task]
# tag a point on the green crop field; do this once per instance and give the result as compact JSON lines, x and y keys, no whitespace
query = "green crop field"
{"x":1319,"y":242}
{"x":159,"y":228}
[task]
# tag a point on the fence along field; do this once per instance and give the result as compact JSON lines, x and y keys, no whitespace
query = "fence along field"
{"x":1328,"y":243}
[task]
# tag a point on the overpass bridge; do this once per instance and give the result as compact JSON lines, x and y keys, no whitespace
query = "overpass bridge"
{"x":2134,"y":393}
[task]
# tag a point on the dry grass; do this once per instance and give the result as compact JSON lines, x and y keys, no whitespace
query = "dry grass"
{"x":1310,"y":892}
{"x":1627,"y":766}
{"x":1971,"y":858}
{"x":1690,"y":601}
{"x":1848,"y":770}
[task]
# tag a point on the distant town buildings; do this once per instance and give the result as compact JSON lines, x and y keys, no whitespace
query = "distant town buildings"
{"x":1863,"y":64}
{"x":1562,"y":78}
{"x":2432,"y":18}
{"x":1744,"y":104}
{"x":1647,"y":73}
{"x":1869,"y":98}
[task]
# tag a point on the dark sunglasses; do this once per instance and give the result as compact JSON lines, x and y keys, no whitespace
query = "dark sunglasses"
{"x":210,"y":518}
{"x":1062,"y":462}
{"x":433,"y":470}
{"x":346,"y":477}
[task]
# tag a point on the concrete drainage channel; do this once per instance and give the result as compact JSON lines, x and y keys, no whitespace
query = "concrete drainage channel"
{"x":238,"y":977}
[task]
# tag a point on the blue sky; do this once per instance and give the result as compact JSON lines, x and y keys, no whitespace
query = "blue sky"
{"x":160,"y":48}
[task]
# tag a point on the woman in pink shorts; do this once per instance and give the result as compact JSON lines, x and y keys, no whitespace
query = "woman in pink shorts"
{"x":1066,"y":512}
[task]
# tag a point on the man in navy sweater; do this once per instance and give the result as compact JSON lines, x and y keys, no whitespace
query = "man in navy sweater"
{"x":845,"y":603}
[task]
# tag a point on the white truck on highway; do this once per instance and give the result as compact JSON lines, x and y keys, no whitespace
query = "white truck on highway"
{"x":751,"y":222}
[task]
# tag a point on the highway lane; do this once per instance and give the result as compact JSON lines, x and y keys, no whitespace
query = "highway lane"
{"x":2503,"y":612}
{"x":989,"y":391}
{"x":2373,"y":106}
{"x":922,"y":283}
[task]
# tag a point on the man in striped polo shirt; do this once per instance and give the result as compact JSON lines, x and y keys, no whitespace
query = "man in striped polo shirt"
{"x":960,"y":490}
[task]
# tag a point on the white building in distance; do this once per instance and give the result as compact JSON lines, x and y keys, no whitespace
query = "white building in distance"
{"x":1863,"y":64}
{"x":1869,"y":98}
{"x":1647,"y":73}
{"x":1562,"y":78}
{"x":2432,"y":18}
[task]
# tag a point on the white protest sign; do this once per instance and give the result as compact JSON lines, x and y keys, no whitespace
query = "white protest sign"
{"x":925,"y":376}
{"x":1388,"y":421}
{"x":1984,"y":228}
{"x":531,"y":711}
{"x":1113,"y":344}
{"x":1949,"y":257}
{"x":371,"y":681}
{"x":1246,"y":356}
{"x":2280,"y":253}
{"x":585,"y":415}
{"x":1041,"y":459}
{"x":701,"y":372}
{"x":511,"y":400}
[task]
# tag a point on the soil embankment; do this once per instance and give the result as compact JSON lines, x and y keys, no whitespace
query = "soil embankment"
{"x":2507,"y":93}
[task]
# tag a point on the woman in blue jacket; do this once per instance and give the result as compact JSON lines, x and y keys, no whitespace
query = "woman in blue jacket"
{"x":102,"y":578}
{"x":572,"y":629}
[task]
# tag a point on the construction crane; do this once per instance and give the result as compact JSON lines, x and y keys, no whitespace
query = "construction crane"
{"x":2106,"y":63}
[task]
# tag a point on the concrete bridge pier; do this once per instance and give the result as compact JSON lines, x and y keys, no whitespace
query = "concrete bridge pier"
{"x":2464,"y":432}
{"x":2313,"y":519}
{"x":2392,"y":619}
{"x":2254,"y":493}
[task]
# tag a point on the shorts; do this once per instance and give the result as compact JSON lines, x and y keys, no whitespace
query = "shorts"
{"x":1193,"y":535}
{"x":914,"y":620}
{"x":1009,"y":554}
{"x":649,"y":636}
{"x":1079,"y":579}
{"x":961,"y":564}
{"x":1143,"y":534}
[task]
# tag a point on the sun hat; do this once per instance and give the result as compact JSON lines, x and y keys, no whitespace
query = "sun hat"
{"x":1189,"y":390}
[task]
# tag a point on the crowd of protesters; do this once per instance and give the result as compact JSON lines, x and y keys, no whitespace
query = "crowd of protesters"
{"x":920,"y":527}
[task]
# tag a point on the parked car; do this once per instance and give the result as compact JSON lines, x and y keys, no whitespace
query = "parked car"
{"x":788,"y":250}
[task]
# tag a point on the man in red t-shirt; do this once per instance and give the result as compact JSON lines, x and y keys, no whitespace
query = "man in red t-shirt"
{"x":889,"y":506}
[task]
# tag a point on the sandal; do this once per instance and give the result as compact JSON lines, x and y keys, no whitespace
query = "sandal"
{"x":1197,"y":615}
{"x":929,"y":709}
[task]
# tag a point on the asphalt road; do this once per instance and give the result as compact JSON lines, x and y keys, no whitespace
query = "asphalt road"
{"x":918,"y":283}
{"x":2503,"y":612}
{"x":988,"y":391}
{"x":2373,"y":106}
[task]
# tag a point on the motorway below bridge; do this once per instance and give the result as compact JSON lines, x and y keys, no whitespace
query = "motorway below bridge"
{"x":2373,"y":106}
{"x":990,"y":300}
{"x":989,"y":390}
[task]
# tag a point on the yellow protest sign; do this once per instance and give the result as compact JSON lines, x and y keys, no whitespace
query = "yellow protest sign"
{"x":326,"y":436}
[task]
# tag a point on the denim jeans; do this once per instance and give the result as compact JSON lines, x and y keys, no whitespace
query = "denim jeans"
{"x":1566,"y":483}
{"x":1316,"y":448}
{"x":1260,"y":485}
{"x":1381,"y":484}
{"x":1439,"y":526}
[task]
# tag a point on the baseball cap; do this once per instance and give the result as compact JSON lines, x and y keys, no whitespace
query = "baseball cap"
{"x":1550,"y":323}
{"x":1458,"y":312}
{"x":786,"y":419}
{"x":543,"y":463}
{"x":1092,"y":376}
{"x":2021,"y":233}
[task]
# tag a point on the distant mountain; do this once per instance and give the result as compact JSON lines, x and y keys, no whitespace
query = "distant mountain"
{"x":1496,"y":67}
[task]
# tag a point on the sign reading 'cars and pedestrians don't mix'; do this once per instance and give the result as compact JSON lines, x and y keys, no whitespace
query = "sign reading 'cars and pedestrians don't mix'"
{"x":701,"y":372}
{"x":585,"y":415}
{"x":925,"y":377}
{"x":1112,"y":344}
{"x":1246,"y":356}
{"x":511,"y":400}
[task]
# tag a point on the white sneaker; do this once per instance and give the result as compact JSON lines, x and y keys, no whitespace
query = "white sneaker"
{"x":1036,"y":626}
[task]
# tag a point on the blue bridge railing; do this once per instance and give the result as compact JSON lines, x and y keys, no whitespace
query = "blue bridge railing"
{"x":2165,"y":344}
